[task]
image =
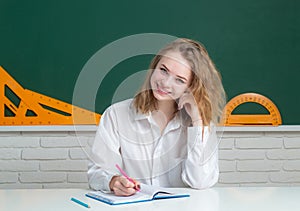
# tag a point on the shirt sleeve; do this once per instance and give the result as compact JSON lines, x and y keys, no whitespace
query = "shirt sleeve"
{"x":201,"y":169}
{"x":105,"y":153}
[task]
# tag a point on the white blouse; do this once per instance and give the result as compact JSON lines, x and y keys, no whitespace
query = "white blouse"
{"x":180,"y":156}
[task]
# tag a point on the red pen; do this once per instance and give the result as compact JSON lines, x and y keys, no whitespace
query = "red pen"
{"x":127,"y":177}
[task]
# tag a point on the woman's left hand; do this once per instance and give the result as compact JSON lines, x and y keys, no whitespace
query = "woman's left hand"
{"x":187,"y":101}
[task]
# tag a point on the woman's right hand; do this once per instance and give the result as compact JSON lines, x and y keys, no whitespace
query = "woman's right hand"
{"x":121,"y":186}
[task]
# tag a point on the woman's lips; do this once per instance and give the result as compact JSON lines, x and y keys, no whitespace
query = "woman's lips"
{"x":162,"y":91}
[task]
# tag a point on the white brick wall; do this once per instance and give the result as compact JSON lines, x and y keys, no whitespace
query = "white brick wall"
{"x":44,"y":157}
{"x":260,"y":158}
{"x":54,"y":157}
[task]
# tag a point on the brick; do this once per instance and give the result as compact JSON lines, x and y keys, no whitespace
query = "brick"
{"x":227,"y":166}
{"x":259,"y":143}
{"x":226,"y":143}
{"x":283,"y":154}
{"x":18,"y":165}
{"x":20,"y":186}
{"x":9,"y":134}
{"x":262,"y":185}
{"x":226,"y":185}
{"x":259,"y":165}
{"x":250,"y":154}
{"x":8,"y":177}
{"x":243,"y":177}
{"x":285,"y":177}
{"x":292,"y":184}
{"x":292,"y":134}
{"x":226,"y":155}
{"x":80,"y":153}
{"x":80,"y":177}
{"x":66,"y":185}
{"x":243,"y":154}
{"x":42,"y":177}
{"x":242,"y":134}
{"x":10,"y":154}
{"x":292,"y":143}
{"x":68,"y":165}
{"x":44,"y":154}
{"x":275,"y":134}
{"x":68,"y":142}
{"x":91,"y":134}
{"x":292,"y":165}
{"x":19,"y":142}
{"x":45,"y":133}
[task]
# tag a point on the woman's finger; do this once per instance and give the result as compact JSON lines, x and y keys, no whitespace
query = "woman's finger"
{"x":120,"y":191}
{"x":126,"y":183}
{"x":123,"y":187}
{"x":181,"y":101}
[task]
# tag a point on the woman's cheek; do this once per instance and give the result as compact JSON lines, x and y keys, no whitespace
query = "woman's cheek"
{"x":176,"y":96}
{"x":179,"y":92}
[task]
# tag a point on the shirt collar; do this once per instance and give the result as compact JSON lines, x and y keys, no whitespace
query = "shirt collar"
{"x":176,"y":121}
{"x":140,"y":116}
{"x":137,"y":115}
{"x":179,"y":119}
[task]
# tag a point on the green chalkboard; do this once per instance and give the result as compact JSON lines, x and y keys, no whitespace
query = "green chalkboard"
{"x":255,"y":44}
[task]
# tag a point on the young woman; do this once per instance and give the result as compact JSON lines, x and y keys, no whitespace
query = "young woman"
{"x":166,"y":135}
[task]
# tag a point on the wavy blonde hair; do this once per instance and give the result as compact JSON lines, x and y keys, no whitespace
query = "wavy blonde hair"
{"x":206,"y":85}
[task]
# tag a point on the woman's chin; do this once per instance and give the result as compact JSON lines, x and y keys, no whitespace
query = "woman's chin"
{"x":163,"y":97}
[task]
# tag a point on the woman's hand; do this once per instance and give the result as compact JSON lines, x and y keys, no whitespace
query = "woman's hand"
{"x":121,"y":186}
{"x":187,"y":101}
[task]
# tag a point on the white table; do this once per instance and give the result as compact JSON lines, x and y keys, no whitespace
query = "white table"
{"x":214,"y":199}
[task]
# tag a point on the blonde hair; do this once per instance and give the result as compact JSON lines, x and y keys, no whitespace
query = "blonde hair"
{"x":206,"y":85}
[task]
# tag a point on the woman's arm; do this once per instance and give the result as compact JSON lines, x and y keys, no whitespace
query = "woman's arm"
{"x":102,"y":172}
{"x":201,"y":169}
{"x":105,"y":153}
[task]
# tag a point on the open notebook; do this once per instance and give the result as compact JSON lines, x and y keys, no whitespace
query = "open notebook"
{"x":146,"y":193}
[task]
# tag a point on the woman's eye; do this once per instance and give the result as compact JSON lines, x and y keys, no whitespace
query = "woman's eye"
{"x":164,"y":71}
{"x":180,"y":81}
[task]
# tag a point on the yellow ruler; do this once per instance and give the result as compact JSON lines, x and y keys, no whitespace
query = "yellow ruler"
{"x":273,"y":118}
{"x":19,"y":106}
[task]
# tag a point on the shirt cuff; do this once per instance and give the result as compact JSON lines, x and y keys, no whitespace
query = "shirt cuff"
{"x":194,"y":137}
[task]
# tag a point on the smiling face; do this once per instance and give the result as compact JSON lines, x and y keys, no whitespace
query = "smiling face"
{"x":171,"y":77}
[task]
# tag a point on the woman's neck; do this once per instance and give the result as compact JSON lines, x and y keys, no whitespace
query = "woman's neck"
{"x":164,"y":113}
{"x":167,"y":108}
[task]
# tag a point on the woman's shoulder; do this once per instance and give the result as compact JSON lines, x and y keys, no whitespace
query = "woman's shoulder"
{"x":120,"y":111}
{"x":120,"y":106}
{"x":124,"y":103}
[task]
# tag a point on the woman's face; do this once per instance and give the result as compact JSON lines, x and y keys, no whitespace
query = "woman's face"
{"x":171,"y":77}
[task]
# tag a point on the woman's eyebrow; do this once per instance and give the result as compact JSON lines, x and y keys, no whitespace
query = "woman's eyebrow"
{"x":176,"y":75}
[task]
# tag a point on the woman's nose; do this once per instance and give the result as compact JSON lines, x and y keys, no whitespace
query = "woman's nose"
{"x":167,"y":81}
